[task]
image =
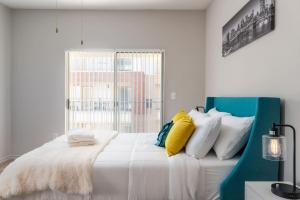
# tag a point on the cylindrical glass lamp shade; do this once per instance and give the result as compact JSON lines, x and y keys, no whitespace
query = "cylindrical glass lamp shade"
{"x":274,"y":147}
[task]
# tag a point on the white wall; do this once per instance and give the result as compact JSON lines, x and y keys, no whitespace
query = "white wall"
{"x":5,"y":68}
{"x":38,"y":61}
{"x":270,"y":66}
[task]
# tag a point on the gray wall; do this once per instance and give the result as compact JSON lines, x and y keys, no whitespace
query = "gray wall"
{"x":270,"y":66}
{"x":5,"y":68}
{"x":38,"y":61}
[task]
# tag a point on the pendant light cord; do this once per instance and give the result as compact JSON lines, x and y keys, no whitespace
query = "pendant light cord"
{"x":56,"y":16}
{"x":82,"y":27}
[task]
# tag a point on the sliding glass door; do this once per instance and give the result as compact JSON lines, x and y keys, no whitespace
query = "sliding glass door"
{"x":114,"y":90}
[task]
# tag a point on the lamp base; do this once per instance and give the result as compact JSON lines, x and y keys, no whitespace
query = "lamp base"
{"x":285,"y":191}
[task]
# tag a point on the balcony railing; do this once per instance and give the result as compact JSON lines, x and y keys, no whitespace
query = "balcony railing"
{"x":132,"y":116}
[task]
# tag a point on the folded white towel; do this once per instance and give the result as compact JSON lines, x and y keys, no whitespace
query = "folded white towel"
{"x":81,"y":137}
{"x":86,"y":143}
{"x":72,"y":139}
{"x":81,"y":134}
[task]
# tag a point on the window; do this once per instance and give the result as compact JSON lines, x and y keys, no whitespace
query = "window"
{"x":114,"y":90}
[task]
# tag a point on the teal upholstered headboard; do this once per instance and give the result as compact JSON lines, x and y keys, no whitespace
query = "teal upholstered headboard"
{"x":251,"y":166}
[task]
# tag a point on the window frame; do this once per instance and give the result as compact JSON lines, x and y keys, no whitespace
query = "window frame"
{"x":114,"y":51}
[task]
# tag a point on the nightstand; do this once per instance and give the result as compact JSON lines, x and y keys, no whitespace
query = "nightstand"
{"x":260,"y":191}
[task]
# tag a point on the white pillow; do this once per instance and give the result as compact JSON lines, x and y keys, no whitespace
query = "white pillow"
{"x":215,"y":113}
{"x":194,"y":114}
{"x":233,"y":136}
{"x":204,"y":136}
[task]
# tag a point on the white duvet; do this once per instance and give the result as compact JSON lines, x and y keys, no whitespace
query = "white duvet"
{"x":132,"y":167}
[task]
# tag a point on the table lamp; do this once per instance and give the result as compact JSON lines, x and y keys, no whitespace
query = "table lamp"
{"x":274,"y":149}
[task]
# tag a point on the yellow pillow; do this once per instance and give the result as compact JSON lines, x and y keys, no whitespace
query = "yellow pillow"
{"x":179,"y":134}
{"x":180,"y":114}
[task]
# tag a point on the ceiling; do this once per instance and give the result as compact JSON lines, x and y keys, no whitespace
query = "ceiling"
{"x":110,"y":4}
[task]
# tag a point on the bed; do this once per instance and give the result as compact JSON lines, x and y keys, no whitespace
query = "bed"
{"x":131,"y":167}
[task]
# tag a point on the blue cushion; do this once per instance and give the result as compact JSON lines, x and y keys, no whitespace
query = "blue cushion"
{"x":161,"y":139}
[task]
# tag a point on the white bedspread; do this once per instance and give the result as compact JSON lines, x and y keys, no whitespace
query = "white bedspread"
{"x":132,"y":167}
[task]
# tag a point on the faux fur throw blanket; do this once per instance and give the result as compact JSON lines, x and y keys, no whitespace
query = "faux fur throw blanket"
{"x":55,"y":166}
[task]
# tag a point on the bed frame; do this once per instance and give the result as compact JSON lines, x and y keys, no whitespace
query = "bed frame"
{"x":251,"y":166}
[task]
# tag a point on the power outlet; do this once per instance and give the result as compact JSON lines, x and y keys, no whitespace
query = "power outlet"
{"x":173,"y":95}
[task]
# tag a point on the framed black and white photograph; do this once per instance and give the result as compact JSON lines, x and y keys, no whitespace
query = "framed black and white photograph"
{"x":254,"y":20}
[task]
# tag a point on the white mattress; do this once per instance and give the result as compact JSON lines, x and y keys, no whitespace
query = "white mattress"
{"x":132,"y":167}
